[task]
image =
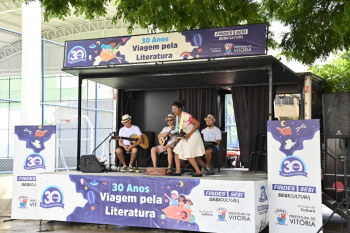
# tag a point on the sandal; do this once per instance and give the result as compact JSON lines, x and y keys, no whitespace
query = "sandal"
{"x":197,"y":175}
{"x":210,"y":173}
{"x":169,"y":171}
{"x":175,"y":174}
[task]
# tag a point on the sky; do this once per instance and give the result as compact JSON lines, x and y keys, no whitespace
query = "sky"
{"x":278,"y":29}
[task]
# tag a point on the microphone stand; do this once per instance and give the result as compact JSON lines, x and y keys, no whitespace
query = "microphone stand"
{"x":109,"y":135}
{"x":110,"y":156}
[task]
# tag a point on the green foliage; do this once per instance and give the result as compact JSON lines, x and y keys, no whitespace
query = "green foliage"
{"x":317,"y":27}
{"x":336,"y":74}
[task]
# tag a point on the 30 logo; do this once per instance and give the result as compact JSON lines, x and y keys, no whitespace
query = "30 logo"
{"x":76,"y":54}
{"x":292,"y":166}
{"x":263,"y":195}
{"x":52,"y":197}
{"x":34,"y":161}
{"x":281,"y":217}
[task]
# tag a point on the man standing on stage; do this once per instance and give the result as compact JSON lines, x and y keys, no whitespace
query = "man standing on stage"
{"x":210,"y":134}
{"x":124,"y":145}
{"x":166,"y":134}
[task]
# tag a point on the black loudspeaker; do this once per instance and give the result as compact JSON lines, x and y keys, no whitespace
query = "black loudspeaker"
{"x":89,"y":163}
{"x":336,"y":112}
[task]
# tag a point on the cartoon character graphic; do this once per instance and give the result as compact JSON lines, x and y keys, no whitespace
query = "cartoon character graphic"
{"x":188,"y":203}
{"x":182,"y":211}
{"x":173,"y":200}
{"x":109,"y":51}
{"x":182,"y":200}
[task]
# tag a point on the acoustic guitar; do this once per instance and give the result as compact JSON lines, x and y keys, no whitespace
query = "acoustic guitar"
{"x":180,"y":134}
{"x":164,"y":140}
{"x":134,"y":138}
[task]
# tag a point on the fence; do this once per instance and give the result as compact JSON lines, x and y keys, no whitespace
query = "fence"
{"x":59,"y":104}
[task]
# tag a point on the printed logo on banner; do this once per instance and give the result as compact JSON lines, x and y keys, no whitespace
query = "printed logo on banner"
{"x":34,"y":161}
{"x":292,"y":166}
{"x":281,"y":217}
{"x":76,"y":54}
{"x":263,"y":195}
{"x":23,"y":200}
{"x":52,"y":197}
{"x":222,"y":214}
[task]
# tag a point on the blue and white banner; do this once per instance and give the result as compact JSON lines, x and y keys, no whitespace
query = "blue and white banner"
{"x":34,"y":153}
{"x":240,"y":40}
{"x":170,"y":203}
{"x":294,"y":176}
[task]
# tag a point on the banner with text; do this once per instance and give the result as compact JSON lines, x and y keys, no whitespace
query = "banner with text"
{"x":205,"y":43}
{"x":34,"y":153}
{"x":182,"y":204}
{"x":294,"y":176}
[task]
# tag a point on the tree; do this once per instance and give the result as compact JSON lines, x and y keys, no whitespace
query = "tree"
{"x":336,"y":74}
{"x":317,"y":27}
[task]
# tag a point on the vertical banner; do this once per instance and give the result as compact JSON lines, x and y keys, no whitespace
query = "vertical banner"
{"x":34,"y":153}
{"x":168,"y":203}
{"x":294,"y":176}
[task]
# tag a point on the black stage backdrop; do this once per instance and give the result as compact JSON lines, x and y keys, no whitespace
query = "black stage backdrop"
{"x":251,"y":105}
{"x":199,"y":102}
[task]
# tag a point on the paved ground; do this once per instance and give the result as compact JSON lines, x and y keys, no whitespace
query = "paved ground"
{"x":336,"y":224}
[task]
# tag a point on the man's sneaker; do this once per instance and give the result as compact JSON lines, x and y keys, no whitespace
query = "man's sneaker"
{"x":114,"y":168}
{"x":131,"y":169}
{"x":123,"y":169}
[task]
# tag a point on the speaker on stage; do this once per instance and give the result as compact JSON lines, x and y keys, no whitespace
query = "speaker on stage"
{"x":336,"y":112}
{"x":89,"y":163}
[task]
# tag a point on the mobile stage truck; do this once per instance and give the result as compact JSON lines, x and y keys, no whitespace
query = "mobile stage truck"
{"x":150,"y":72}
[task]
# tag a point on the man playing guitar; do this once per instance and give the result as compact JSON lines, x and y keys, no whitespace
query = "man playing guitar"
{"x":125,"y":145}
{"x":166,"y":141}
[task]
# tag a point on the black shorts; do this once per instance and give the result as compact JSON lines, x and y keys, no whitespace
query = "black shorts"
{"x":123,"y":149}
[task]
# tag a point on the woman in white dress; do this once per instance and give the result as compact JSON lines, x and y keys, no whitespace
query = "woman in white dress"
{"x":191,"y":145}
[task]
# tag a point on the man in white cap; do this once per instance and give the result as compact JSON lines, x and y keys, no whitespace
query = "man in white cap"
{"x":165,"y":135}
{"x":210,"y":134}
{"x":125,"y":145}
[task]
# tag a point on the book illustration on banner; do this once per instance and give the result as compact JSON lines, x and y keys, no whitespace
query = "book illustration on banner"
{"x":109,"y":51}
{"x":291,"y":134}
{"x":35,"y":136}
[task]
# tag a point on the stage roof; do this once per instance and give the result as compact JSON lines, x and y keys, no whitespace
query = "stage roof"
{"x":243,"y":71}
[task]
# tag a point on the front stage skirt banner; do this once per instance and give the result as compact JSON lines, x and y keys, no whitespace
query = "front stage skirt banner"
{"x":170,"y":203}
{"x":294,"y":176}
{"x":34,"y":153}
{"x":240,"y":40}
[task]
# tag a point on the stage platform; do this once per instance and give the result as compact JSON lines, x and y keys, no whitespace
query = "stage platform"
{"x":229,"y":201}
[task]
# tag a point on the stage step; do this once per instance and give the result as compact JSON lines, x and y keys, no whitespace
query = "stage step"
{"x":332,"y":204}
